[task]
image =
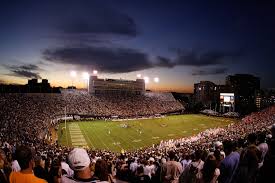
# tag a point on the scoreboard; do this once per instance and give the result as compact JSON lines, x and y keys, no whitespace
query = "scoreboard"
{"x":227,"y":100}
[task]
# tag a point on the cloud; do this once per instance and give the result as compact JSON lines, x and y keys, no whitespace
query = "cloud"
{"x":110,"y":22}
{"x":164,"y":62}
{"x":26,"y":74}
{"x":24,"y":67}
{"x":122,"y":60}
{"x":208,"y":58}
{"x":90,"y":21}
{"x":198,"y":59}
{"x":213,"y":71}
{"x":109,"y":60}
{"x":26,"y":70}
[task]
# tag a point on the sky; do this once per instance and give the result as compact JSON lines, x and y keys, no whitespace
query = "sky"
{"x":181,"y":42}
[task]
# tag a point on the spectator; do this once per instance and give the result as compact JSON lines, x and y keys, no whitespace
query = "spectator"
{"x":185,"y":161}
{"x":101,"y":172}
{"x":5,"y":169}
{"x":263,"y":147}
{"x":39,"y":169}
{"x":55,"y":171}
{"x":210,"y":172}
{"x":140,"y":177}
{"x":249,"y":162}
{"x":79,"y":161}
{"x":25,"y":159}
{"x":171,"y":170}
{"x":193,"y":171}
{"x":229,"y":164}
{"x":267,"y":170}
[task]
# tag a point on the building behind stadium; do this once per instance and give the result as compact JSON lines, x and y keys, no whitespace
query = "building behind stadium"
{"x":99,"y":86}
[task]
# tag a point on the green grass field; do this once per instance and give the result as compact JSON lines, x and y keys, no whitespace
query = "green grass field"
{"x":140,"y":133}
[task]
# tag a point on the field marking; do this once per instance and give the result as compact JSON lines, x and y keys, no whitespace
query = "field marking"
{"x":98,"y":136}
{"x":126,"y":137}
{"x":77,"y":138}
{"x":109,"y":137}
{"x":87,"y":137}
{"x":127,"y":143}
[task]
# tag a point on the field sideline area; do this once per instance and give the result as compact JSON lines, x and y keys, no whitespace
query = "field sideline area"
{"x":134,"y":134}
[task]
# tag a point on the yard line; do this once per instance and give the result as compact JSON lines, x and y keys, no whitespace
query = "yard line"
{"x":99,"y":138}
{"x":87,"y":137}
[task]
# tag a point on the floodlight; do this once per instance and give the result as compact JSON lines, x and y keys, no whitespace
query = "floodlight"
{"x":146,"y":79}
{"x":95,"y":72}
{"x":85,"y":75}
{"x":156,"y":79}
{"x":73,"y":74}
{"x":138,"y":75}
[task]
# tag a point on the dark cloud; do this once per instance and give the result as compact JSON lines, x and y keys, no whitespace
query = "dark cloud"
{"x":110,"y":22}
{"x":109,"y":60}
{"x":198,"y":59}
{"x":208,"y":58}
{"x":24,"y":67}
{"x":164,"y":62}
{"x":212,"y":71}
{"x":121,"y":60}
{"x":26,"y":74}
{"x":92,"y":21}
{"x":27,"y":70}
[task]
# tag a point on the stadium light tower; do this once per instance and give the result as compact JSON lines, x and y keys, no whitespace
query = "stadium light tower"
{"x":156,"y":80}
{"x":95,"y":72}
{"x":146,"y":79}
{"x":86,"y":76}
{"x":73,"y":75}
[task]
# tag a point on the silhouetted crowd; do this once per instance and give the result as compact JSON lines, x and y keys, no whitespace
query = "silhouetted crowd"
{"x":241,"y":152}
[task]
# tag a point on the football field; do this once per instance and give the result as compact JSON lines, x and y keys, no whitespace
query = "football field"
{"x":134,"y":134}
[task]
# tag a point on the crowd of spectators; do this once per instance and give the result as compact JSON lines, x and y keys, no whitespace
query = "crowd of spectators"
{"x":241,"y":152}
{"x":211,"y":112}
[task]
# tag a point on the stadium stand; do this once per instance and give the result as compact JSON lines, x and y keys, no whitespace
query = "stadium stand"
{"x":241,"y":152}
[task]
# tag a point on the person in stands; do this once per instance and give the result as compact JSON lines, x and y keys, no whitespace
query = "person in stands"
{"x":39,"y":169}
{"x":250,"y":158}
{"x":24,"y":157}
{"x":140,"y":177}
{"x":210,"y":172}
{"x":79,"y":161}
{"x":229,"y":164}
{"x":193,"y":173}
{"x":267,"y":171}
{"x":101,"y":172}
{"x":171,"y":170}
{"x":5,"y":169}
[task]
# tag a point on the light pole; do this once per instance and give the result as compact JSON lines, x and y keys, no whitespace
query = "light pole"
{"x":86,"y":76}
{"x":95,"y":72}
{"x":146,"y":80}
{"x":156,"y":80}
{"x":73,"y":75}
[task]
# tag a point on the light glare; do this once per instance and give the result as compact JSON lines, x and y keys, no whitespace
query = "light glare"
{"x":73,"y":73}
{"x":95,"y":72}
{"x":156,"y":79}
{"x":85,"y":75}
{"x":146,"y":79}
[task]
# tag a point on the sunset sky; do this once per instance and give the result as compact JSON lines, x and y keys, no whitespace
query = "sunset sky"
{"x":178,"y":41}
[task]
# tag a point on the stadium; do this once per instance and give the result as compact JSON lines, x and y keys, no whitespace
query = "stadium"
{"x":118,"y":122}
{"x":104,"y":91}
